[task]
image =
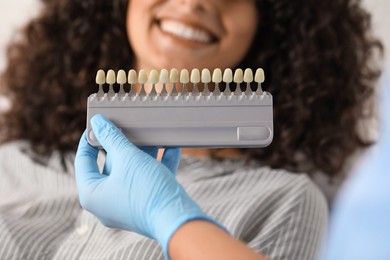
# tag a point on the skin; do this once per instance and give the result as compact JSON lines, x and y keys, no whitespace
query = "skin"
{"x":203,"y":240}
{"x":232,"y":24}
{"x":229,"y":27}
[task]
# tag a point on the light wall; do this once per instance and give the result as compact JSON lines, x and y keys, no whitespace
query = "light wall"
{"x":13,"y":14}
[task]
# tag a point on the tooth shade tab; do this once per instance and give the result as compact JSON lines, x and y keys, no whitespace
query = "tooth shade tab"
{"x":132,"y":77}
{"x":217,"y":76}
{"x":139,"y":86}
{"x":153,"y":77}
{"x":100,"y":80}
{"x":259,"y":76}
{"x":248,"y":76}
{"x":174,"y":76}
{"x":228,"y":76}
{"x":110,"y":79}
{"x":184,"y":76}
{"x":121,"y":77}
{"x":195,"y":76}
{"x":164,"y":76}
{"x":100,"y":77}
{"x":142,"y":77}
{"x":238,"y":76}
{"x":206,"y":77}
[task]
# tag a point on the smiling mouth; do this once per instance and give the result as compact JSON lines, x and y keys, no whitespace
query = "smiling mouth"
{"x":186,"y":32}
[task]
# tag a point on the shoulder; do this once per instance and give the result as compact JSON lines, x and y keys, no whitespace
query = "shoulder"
{"x":296,"y":192}
{"x":13,"y":150}
{"x":293,"y":188}
{"x":250,"y":180}
{"x":305,"y":200}
{"x":17,"y":155}
{"x":294,"y":216}
{"x":16,"y":159}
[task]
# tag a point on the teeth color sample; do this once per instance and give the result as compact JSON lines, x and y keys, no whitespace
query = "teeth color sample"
{"x":132,"y":77}
{"x":248,"y":76}
{"x":142,"y":77}
{"x":259,"y":76}
{"x":217,"y":76}
{"x":206,"y":77}
{"x":238,"y":76}
{"x":100,"y":77}
{"x":174,"y":76}
{"x":164,"y":76}
{"x":184,"y":77}
{"x":195,"y":76}
{"x":228,"y":76}
{"x":111,"y":77}
{"x":121,"y":77}
{"x":153,"y":77}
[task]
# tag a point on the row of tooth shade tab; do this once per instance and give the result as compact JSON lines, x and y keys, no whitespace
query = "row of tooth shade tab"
{"x":184,"y":77}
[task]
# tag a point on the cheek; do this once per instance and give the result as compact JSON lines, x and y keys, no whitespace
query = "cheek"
{"x":135,"y":21}
{"x":242,"y":29}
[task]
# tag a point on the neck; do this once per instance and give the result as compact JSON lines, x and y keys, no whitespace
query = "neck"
{"x":206,"y":152}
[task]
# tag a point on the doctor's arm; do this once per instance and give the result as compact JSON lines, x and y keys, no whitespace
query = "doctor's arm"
{"x":137,"y":193}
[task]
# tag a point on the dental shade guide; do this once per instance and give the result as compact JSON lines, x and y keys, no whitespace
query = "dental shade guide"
{"x":185,"y":109}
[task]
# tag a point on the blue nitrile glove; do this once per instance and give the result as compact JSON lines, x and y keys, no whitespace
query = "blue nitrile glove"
{"x":137,"y":193}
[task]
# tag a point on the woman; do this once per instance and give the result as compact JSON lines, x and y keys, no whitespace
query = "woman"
{"x":316,"y":56}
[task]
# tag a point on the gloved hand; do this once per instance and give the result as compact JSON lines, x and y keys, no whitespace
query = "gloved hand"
{"x":136,"y":192}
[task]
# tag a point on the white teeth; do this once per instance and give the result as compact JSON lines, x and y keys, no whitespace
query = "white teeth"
{"x":238,"y":76}
{"x":100,"y":77}
{"x":259,"y":76}
{"x":185,"y":31}
{"x":195,"y":76}
{"x":121,"y":77}
{"x":164,"y":76}
{"x":228,"y":76}
{"x":153,"y":77}
{"x":206,"y":77}
{"x":194,"y":81}
{"x":142,"y":77}
{"x":217,"y":76}
{"x":174,"y":76}
{"x":110,"y":77}
{"x":248,"y":75}
{"x":184,"y":76}
{"x":132,"y":77}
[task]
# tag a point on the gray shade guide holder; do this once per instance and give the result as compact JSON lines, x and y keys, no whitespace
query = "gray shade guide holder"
{"x":211,"y":120}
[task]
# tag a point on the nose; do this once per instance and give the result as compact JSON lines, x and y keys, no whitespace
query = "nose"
{"x":195,"y":5}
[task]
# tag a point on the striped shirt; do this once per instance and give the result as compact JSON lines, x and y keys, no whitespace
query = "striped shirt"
{"x":280,"y":214}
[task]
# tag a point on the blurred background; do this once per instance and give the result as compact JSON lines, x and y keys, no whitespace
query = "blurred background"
{"x":13,"y":13}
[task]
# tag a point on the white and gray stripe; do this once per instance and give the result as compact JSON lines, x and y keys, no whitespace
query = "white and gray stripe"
{"x":277,"y":213}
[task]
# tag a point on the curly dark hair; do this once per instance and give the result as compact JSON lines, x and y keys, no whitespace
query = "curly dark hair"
{"x":318,"y":58}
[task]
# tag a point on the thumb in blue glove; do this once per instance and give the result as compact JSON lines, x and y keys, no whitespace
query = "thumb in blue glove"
{"x":138,"y":193}
{"x":170,"y":159}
